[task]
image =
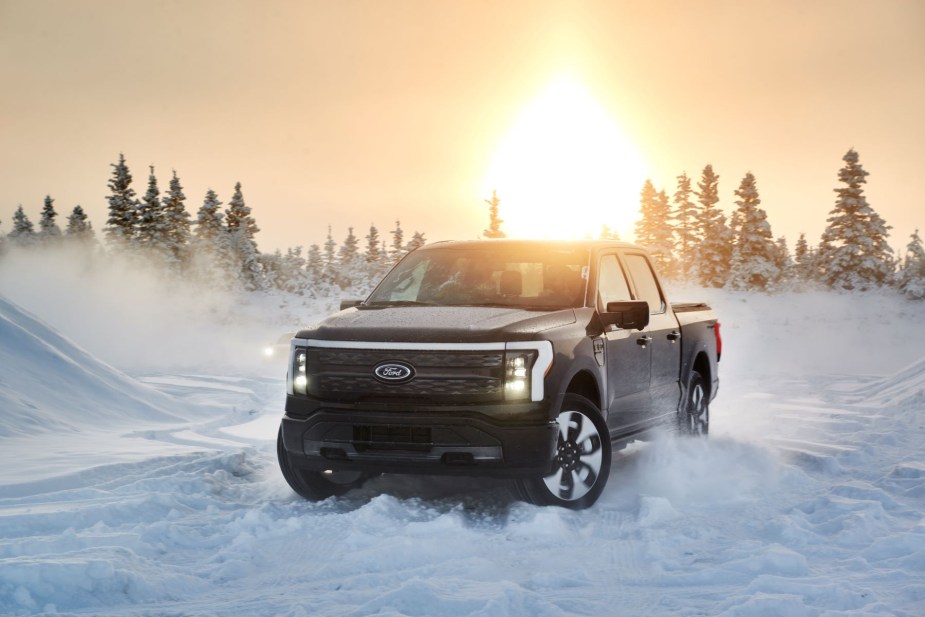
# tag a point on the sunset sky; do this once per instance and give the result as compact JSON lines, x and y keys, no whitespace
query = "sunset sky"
{"x":353,"y":113}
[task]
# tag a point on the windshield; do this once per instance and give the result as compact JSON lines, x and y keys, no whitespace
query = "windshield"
{"x":522,"y":277}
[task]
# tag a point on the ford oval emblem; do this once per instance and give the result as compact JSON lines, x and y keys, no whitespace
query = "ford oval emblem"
{"x":393,"y":372}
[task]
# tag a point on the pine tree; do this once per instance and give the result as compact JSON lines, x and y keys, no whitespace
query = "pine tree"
{"x":373,"y":250}
{"x":494,"y":221}
{"x":78,"y":226}
{"x":686,"y":229}
{"x":715,"y":250}
{"x":48,"y":229}
{"x":417,"y":241}
{"x":176,"y":224}
{"x":754,"y":264}
{"x":349,"y":250}
{"x":23,"y":233}
{"x":911,"y":277}
{"x":240,"y":229}
{"x":653,"y":228}
{"x":803,"y":266}
{"x":330,"y":258}
{"x":151,"y":223}
{"x":209,"y":218}
{"x":398,"y":242}
{"x":120,"y":226}
{"x":783,"y":261}
{"x":853,"y":253}
{"x":314,"y":264}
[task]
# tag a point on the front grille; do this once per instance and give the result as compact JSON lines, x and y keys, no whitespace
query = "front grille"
{"x":440,"y":376}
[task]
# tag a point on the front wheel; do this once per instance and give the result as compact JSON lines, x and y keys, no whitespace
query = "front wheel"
{"x":694,"y":415}
{"x":581,"y":459}
{"x":315,"y":485}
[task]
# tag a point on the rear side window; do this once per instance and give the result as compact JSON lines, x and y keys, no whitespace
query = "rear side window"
{"x":644,"y":279}
{"x":612,"y":286}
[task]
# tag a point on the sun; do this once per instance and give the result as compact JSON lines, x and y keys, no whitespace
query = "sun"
{"x":565,"y":169}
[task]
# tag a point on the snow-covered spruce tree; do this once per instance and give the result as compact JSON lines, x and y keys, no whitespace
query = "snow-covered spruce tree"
{"x":417,"y":241}
{"x":494,"y":221}
{"x":911,"y":276}
{"x":686,"y":230}
{"x":271,"y":266}
{"x":350,"y":264}
{"x":205,"y":260}
{"x":120,"y":227}
{"x":176,"y":225}
{"x":151,"y":229}
{"x":314,"y":264}
{"x":48,"y":230}
{"x":295,"y":279}
{"x":330,"y":259}
{"x":754,"y":264}
{"x":653,"y":228}
{"x":398,"y":243}
{"x":79,"y":228}
{"x":23,"y":232}
{"x":240,"y":229}
{"x":715,"y":251}
{"x":853,"y":253}
{"x":804,"y":268}
{"x":607,"y":233}
{"x":373,"y":248}
{"x":784,"y":263}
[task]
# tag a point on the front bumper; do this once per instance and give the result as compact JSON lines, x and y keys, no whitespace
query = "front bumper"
{"x":418,"y":442}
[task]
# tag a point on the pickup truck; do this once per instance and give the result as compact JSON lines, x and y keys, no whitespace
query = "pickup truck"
{"x":529,"y":360}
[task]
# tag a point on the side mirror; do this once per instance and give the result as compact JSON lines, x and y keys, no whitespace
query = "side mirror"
{"x":629,"y":315}
{"x":345,"y":304}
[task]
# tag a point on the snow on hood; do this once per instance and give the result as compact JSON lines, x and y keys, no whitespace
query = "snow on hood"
{"x":438,"y":323}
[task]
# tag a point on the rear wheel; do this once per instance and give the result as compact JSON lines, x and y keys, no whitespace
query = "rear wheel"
{"x":581,"y":459}
{"x":694,"y":416}
{"x":315,"y":485}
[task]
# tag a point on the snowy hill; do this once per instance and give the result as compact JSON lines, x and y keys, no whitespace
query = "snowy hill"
{"x":163,"y":496}
{"x":50,"y":384}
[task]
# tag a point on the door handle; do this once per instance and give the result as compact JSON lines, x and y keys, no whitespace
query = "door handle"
{"x":642,"y":341}
{"x":674,"y":336}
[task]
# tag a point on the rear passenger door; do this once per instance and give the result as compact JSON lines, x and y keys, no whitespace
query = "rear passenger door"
{"x":664,"y":332}
{"x":628,"y":361}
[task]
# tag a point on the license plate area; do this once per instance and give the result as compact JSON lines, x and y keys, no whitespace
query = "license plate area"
{"x":392,"y":437}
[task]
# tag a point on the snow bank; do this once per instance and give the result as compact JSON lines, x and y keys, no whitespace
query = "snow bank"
{"x":50,"y":384}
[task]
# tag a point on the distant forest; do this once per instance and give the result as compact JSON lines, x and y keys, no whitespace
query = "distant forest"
{"x":688,"y":236}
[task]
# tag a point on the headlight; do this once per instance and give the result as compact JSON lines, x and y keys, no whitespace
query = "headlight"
{"x":299,"y":372}
{"x":517,"y":367}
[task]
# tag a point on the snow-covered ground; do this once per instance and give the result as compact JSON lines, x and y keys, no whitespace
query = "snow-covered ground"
{"x":138,"y":477}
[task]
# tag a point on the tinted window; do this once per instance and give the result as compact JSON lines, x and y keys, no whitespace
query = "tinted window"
{"x":612,"y":286}
{"x":645,"y":283}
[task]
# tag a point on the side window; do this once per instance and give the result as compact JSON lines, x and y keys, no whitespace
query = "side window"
{"x":611,"y":285}
{"x":645,"y":283}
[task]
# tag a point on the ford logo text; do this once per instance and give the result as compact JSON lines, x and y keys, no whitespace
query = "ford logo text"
{"x":393,"y":372}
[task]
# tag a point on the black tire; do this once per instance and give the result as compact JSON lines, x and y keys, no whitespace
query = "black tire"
{"x":581,"y":459}
{"x":315,"y":485}
{"x":694,"y":415}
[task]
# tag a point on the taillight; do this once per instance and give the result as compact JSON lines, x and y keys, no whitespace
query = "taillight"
{"x":719,"y":341}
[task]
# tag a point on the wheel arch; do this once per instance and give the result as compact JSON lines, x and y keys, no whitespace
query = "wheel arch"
{"x":583,"y":383}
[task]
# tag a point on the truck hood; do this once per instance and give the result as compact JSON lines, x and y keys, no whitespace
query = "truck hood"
{"x":437,"y":324}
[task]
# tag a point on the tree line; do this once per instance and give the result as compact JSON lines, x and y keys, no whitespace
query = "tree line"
{"x":688,"y":236}
{"x":218,"y":248}
{"x":690,"y":239}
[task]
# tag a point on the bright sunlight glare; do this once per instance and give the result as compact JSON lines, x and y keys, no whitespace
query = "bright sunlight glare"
{"x":565,"y":169}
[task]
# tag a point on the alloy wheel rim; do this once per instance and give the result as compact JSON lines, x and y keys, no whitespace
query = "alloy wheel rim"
{"x":577,"y":458}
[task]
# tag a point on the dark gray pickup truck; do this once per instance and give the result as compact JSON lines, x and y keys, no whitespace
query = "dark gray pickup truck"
{"x":522,"y":359}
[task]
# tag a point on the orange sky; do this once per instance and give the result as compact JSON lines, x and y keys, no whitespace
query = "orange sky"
{"x":352,"y":113}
